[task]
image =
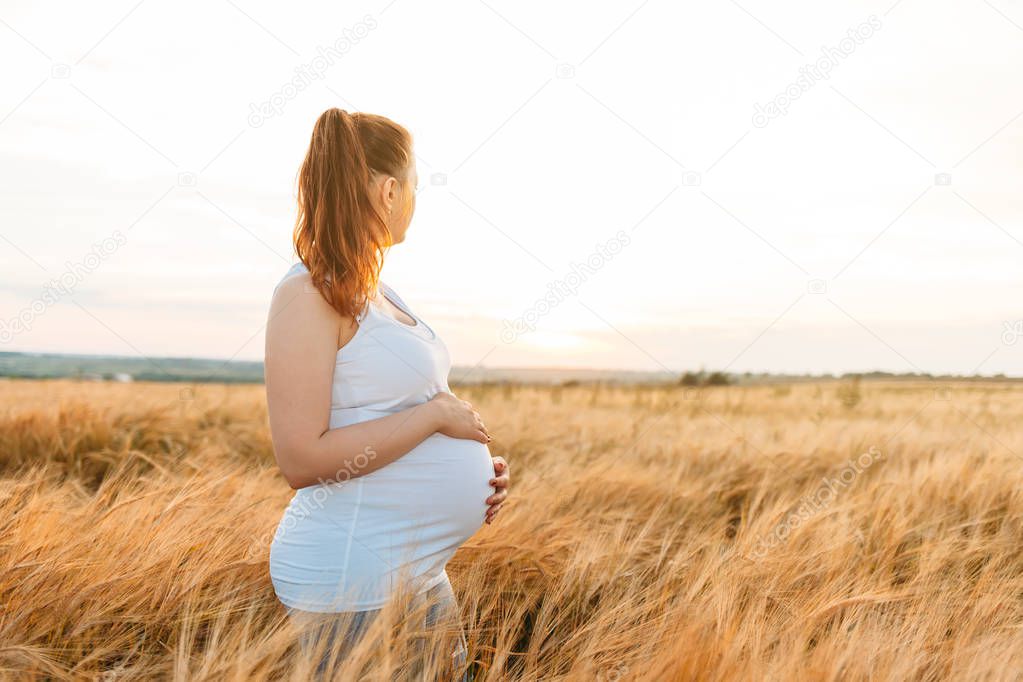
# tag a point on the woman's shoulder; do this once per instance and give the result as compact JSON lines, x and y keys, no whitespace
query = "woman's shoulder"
{"x":298,"y":304}
{"x":298,"y":268}
{"x":296,"y":294}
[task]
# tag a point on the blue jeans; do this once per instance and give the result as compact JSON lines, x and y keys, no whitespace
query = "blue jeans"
{"x":334,"y":635}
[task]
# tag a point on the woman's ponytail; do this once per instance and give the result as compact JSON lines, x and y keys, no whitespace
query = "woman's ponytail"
{"x":339,"y":235}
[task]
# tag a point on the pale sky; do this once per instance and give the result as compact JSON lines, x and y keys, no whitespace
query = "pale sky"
{"x":875,"y":224}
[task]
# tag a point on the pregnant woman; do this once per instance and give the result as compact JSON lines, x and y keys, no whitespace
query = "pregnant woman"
{"x":391,"y":472}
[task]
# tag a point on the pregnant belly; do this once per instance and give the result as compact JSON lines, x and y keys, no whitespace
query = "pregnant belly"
{"x":345,"y":546}
{"x":443,"y":482}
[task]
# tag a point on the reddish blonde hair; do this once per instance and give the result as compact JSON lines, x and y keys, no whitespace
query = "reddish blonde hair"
{"x":339,"y":235}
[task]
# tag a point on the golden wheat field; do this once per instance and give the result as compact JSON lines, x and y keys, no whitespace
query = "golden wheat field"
{"x":805,"y":532}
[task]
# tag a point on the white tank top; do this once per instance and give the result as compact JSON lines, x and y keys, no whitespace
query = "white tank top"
{"x":347,"y":546}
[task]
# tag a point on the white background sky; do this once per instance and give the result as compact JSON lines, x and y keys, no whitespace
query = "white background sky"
{"x":105,"y":106}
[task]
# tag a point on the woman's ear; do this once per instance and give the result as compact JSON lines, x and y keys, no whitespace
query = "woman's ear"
{"x":392,"y":191}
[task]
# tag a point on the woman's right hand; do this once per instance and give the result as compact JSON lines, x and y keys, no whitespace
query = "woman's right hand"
{"x":457,"y":418}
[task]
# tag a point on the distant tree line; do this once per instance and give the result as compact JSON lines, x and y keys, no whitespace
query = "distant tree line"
{"x":705,"y":379}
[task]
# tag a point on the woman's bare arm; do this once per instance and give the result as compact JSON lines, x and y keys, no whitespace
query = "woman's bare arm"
{"x":301,"y":350}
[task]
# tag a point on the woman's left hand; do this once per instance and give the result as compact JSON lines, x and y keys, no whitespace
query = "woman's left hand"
{"x":500,"y":482}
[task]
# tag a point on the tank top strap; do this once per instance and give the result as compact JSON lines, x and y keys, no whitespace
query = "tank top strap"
{"x":294,"y":269}
{"x":393,"y":295}
{"x":369,"y":309}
